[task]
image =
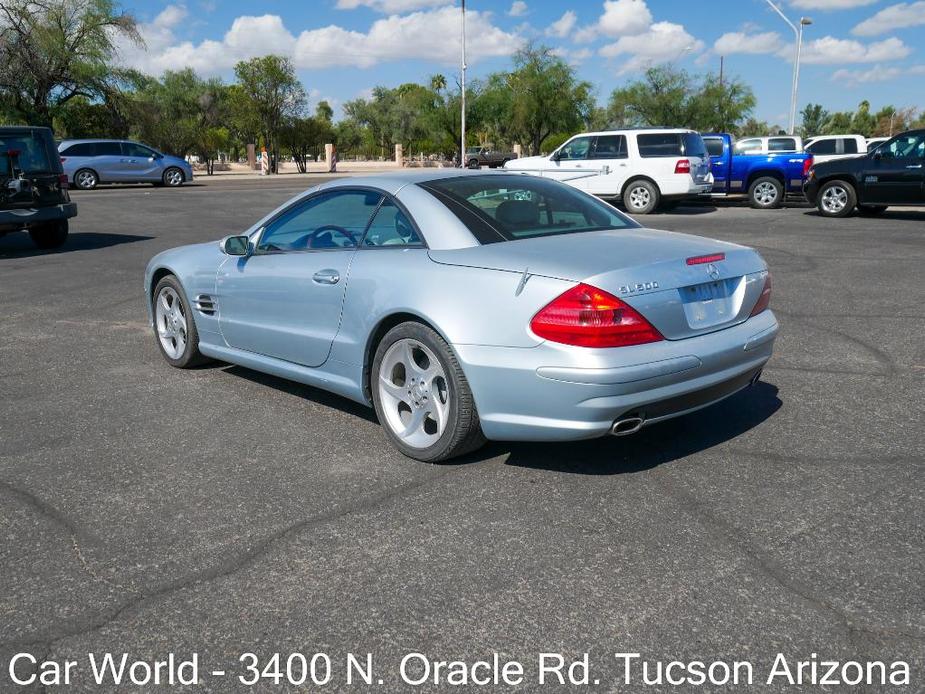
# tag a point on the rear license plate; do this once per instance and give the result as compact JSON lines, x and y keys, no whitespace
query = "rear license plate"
{"x":710,"y":303}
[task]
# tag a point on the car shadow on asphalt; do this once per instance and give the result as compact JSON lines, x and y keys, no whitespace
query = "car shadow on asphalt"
{"x":893,"y":213}
{"x":653,"y":445}
{"x":18,"y":244}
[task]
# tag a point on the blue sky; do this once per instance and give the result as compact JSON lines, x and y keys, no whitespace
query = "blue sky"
{"x":854,"y":50}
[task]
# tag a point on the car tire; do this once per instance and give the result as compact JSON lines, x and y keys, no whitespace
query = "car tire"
{"x":871,"y":210}
{"x":641,"y":197}
{"x":173,"y":177}
{"x":49,"y":235}
{"x":766,"y":193}
{"x":86,"y":179}
{"x":416,"y":381}
{"x":836,"y":199}
{"x":474,"y":164}
{"x":180,"y":348}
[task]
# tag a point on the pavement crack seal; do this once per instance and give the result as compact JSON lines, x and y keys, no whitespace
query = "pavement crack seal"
{"x":773,"y":569}
{"x":232,"y":566}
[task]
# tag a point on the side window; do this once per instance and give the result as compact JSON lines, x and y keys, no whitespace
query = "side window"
{"x":81,"y":149}
{"x":782,"y":144}
{"x":851,"y":146}
{"x":714,"y":146}
{"x":826,"y":146}
{"x":390,"y":227}
{"x":108,"y":149}
{"x":575,"y":149}
{"x":609,"y":147}
{"x":750,"y":146}
{"x":904,"y":146}
{"x":130,"y":149}
{"x":327,"y":221}
{"x":659,"y":145}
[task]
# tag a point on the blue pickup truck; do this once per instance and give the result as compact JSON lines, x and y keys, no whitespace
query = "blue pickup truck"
{"x":764,"y":178}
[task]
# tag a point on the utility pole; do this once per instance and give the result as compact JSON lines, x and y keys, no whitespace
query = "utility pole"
{"x":798,"y":33}
{"x":462,"y":144}
{"x":721,"y":60}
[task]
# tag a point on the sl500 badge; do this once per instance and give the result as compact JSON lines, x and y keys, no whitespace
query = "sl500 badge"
{"x":870,"y":179}
{"x":638,"y":287}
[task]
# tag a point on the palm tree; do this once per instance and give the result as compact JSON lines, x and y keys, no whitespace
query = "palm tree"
{"x":438,"y":83}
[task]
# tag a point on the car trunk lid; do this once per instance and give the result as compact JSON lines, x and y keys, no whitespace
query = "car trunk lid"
{"x":648,"y":269}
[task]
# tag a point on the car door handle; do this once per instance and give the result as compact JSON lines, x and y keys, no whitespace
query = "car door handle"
{"x":914,"y":166}
{"x":326,"y":277}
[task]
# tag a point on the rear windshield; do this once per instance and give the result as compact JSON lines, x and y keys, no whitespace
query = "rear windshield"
{"x":671,"y":145}
{"x":510,"y":207}
{"x":25,"y":153}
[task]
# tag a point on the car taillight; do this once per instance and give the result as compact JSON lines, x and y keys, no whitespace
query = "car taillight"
{"x":807,"y":165}
{"x":585,"y":316}
{"x":703,"y":259}
{"x":764,"y":299}
{"x":683,"y":166}
{"x":63,"y":182}
{"x":63,"y":159}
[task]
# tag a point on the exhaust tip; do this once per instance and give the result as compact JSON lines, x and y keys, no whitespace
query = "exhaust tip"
{"x":755,"y":378}
{"x":627,"y":425}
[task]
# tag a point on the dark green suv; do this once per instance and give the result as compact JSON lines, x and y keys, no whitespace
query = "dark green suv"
{"x":33,"y":187}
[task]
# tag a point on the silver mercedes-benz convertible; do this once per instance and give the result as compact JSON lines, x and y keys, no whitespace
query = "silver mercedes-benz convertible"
{"x":466,"y":306}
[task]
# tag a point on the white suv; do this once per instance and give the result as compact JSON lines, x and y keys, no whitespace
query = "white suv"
{"x":647,"y":168}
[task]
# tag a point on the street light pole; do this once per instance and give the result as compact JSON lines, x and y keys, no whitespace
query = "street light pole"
{"x":462,"y":144}
{"x":798,"y":33}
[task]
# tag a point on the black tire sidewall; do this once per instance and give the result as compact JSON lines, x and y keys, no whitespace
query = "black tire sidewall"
{"x":443,"y":448}
{"x":191,"y":355}
{"x":49,"y":235}
{"x":778,"y":186}
{"x":655,"y":197}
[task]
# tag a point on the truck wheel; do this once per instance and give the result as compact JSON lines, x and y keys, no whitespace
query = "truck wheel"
{"x":473,"y":163}
{"x":836,"y":199}
{"x":49,"y":235}
{"x":871,"y":210}
{"x":766,"y":193}
{"x":641,"y":197}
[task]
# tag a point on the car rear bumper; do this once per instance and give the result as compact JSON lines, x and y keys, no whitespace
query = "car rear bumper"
{"x":559,"y":393}
{"x":25,"y":217}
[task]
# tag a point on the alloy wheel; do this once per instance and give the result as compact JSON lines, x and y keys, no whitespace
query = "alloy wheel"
{"x":834,"y":199}
{"x":766,"y":193}
{"x":86,"y":179}
{"x":170,"y":320}
{"x":173,"y":177}
{"x":639,"y":197}
{"x":414,"y":393}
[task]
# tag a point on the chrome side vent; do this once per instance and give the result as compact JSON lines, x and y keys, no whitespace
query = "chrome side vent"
{"x":206,"y":304}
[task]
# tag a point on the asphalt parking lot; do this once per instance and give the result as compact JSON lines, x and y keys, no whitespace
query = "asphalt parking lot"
{"x":219,"y":511}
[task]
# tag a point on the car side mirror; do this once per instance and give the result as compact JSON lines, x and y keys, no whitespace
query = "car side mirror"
{"x":236,"y":245}
{"x":556,"y":156}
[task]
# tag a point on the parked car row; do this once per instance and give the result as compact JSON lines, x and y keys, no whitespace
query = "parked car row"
{"x":656,"y":168}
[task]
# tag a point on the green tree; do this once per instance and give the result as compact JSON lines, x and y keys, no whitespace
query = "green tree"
{"x":53,"y":51}
{"x":546,"y":96}
{"x":863,"y":122}
{"x":672,"y":97}
{"x":274,"y":93}
{"x":324,"y":112}
{"x":814,"y":118}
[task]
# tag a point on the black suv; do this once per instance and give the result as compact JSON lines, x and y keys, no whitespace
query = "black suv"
{"x":33,"y":187}
{"x":892,"y":174}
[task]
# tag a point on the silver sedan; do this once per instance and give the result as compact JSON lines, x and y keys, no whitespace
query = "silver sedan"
{"x":466,"y":306}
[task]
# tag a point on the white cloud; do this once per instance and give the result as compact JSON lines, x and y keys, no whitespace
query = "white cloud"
{"x":431,"y":35}
{"x":390,"y":6}
{"x":901,"y":16}
{"x":742,"y":42}
{"x":573,"y":57}
{"x":825,"y":5}
{"x":830,"y":51}
{"x":663,"y":42}
{"x":518,"y":8}
{"x":620,"y":18}
{"x":562,"y":26}
{"x":878,"y":73}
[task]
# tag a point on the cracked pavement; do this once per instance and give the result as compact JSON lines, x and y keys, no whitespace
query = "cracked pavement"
{"x":219,"y":511}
